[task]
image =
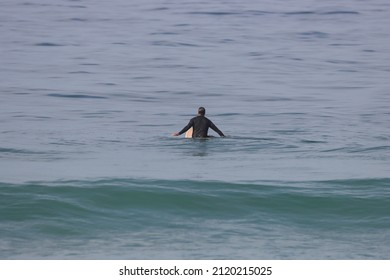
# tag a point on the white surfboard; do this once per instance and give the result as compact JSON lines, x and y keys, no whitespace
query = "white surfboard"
{"x":189,"y":133}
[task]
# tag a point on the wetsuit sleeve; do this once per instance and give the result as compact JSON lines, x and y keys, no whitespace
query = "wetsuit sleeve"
{"x":215,"y":128}
{"x":187,"y":127}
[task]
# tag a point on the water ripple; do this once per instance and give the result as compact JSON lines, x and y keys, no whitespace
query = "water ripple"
{"x":77,"y":96}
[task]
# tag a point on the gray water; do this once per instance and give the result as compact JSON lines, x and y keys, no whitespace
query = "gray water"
{"x":93,"y":90}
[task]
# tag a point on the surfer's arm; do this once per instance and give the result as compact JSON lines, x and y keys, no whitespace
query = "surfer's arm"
{"x":187,"y":127}
{"x":215,"y":128}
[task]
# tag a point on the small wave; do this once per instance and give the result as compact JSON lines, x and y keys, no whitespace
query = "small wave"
{"x":321,"y":13}
{"x":47,"y":44}
{"x":159,"y":9}
{"x":358,"y":150}
{"x":107,"y":84}
{"x":373,"y":149}
{"x":341,"y":61}
{"x":26,"y":154}
{"x":300,"y":13}
{"x":368,"y":197}
{"x":78,"y":6}
{"x":139,"y":208}
{"x":32,"y":117}
{"x":83,"y":213}
{"x":214,"y":13}
{"x":307,"y":141}
{"x":164,"y":33}
{"x":173,"y":44}
{"x":16,"y":151}
{"x":77,"y":96}
{"x":315,"y":34}
{"x":228,"y":114}
{"x":78,"y":19}
{"x":340,"y":13}
{"x":89,"y":64}
{"x":243,"y":13}
{"x":80,"y":72}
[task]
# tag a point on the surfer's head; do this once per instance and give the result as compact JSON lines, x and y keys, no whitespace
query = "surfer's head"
{"x":201,"y":111}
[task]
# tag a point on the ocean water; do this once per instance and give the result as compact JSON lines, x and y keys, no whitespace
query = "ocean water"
{"x":91,"y":91}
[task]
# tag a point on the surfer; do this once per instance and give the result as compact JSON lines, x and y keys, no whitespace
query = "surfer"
{"x":200,"y":125}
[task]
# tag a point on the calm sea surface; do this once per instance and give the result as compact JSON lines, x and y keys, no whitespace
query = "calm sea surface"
{"x":91,"y":91}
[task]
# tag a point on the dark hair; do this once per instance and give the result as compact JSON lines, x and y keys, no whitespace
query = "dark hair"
{"x":201,"y":111}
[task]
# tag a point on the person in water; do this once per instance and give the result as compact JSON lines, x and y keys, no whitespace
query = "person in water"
{"x":200,"y":125}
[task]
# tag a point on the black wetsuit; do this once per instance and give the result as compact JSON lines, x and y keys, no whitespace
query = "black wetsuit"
{"x":201,"y":126}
